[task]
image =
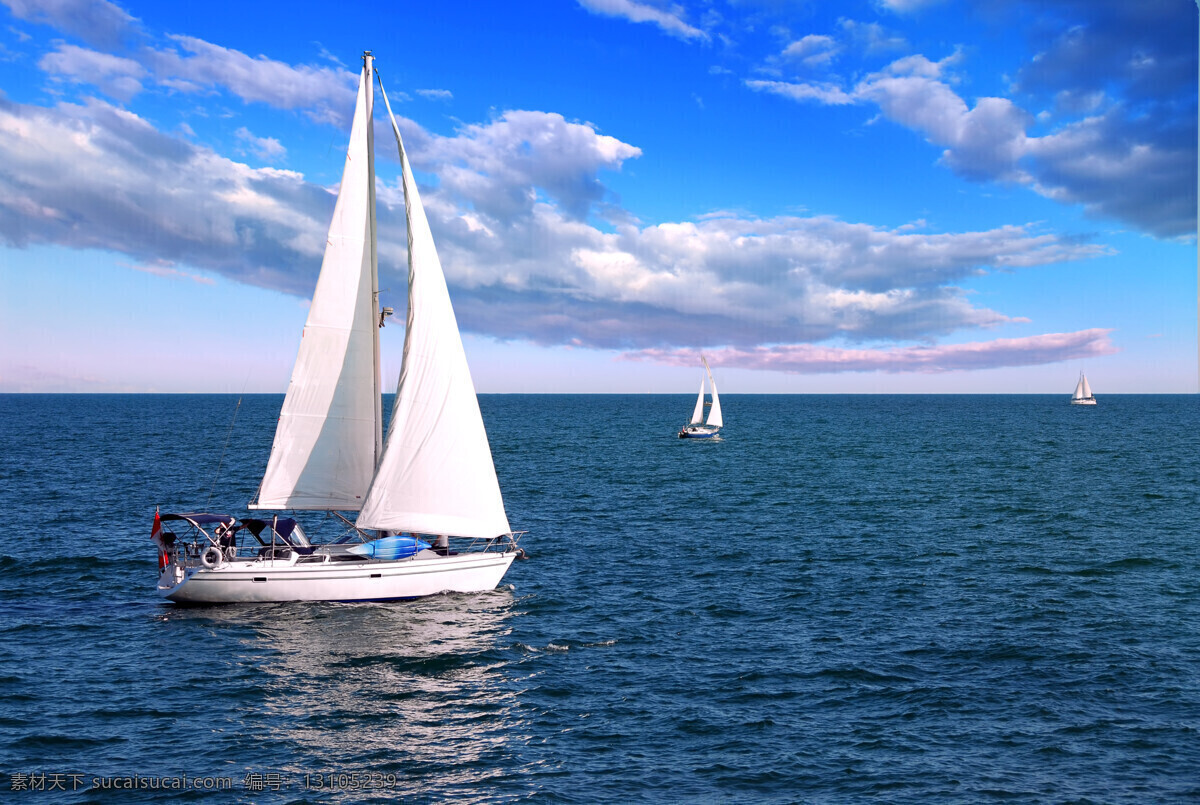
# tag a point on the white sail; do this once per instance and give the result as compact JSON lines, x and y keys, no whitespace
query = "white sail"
{"x":714,"y":413}
{"x":329,"y":433}
{"x":436,"y":475}
{"x":1087,"y":390}
{"x":1081,"y":389}
{"x":698,"y":413}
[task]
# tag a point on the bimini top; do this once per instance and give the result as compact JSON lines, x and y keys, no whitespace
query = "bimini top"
{"x":285,"y":527}
{"x":200,"y":519}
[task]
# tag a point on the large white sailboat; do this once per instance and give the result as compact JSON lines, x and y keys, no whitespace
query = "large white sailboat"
{"x":698,"y":427}
{"x":430,"y":514}
{"x":1083,"y":392}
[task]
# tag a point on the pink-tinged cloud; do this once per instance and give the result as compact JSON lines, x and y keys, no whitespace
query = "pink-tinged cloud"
{"x":167,"y":269}
{"x":812,"y":359}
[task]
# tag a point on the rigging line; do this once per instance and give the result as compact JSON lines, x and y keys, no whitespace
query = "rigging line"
{"x":228,"y":436}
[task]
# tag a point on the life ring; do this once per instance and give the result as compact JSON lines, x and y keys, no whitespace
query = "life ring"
{"x":211,"y":557}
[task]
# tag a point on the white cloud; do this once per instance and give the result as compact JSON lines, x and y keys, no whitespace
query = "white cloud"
{"x":984,"y":142}
{"x":95,"y":176}
{"x":906,"y":6}
{"x":97,"y":21}
{"x":117,"y":77}
{"x":828,"y":94}
{"x":1113,"y":165}
{"x":268,"y":149}
{"x":324,"y":93}
{"x":502,"y":165}
{"x":668,"y":17}
{"x":872,"y":37}
{"x":724,"y":280}
{"x":512,"y":211}
{"x":813,"y":50}
{"x":436,"y":94}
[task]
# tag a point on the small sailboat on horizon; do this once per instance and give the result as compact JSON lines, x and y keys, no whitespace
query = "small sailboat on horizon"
{"x":697,"y":427}
{"x":1083,"y":392}
{"x":430,"y":515}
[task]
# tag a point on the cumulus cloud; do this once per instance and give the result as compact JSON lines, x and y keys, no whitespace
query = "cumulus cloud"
{"x":545,"y":277}
{"x":811,"y":359}
{"x":825,"y":93}
{"x":984,"y":142}
{"x":872,"y":38}
{"x":96,"y":176}
{"x":1118,"y":168}
{"x":907,"y":6}
{"x":513,"y":212}
{"x":268,"y":149}
{"x":324,"y":93}
{"x":117,"y":77}
{"x":194,"y":66}
{"x":501,"y":166}
{"x":1137,"y":168}
{"x":813,"y":50}
{"x":98,"y":22}
{"x":668,"y":17}
{"x":436,"y":94}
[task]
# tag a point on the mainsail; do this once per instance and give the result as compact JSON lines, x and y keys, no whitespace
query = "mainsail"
{"x":329,"y":437}
{"x":436,"y":475}
{"x":714,"y":413}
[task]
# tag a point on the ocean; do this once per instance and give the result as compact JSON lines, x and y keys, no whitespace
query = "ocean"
{"x":846,"y":598}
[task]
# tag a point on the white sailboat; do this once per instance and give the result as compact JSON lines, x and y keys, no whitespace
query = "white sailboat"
{"x":697,"y":427}
{"x":1083,"y":392}
{"x":430,"y":513}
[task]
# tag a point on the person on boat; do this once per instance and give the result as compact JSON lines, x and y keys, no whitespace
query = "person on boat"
{"x":226,"y":538}
{"x":166,"y":546}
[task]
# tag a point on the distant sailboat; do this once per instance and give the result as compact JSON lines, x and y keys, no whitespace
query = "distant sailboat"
{"x":430,"y":481}
{"x":694,"y":429}
{"x":1083,"y":392}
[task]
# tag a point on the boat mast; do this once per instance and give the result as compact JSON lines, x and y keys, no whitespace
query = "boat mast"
{"x":369,"y":67}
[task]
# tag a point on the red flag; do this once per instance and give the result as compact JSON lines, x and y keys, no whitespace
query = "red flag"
{"x":156,"y":535}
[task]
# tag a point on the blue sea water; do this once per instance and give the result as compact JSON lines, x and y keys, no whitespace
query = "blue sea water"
{"x":847,"y":598}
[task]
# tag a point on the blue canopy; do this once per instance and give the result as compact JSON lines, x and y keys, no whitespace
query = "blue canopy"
{"x":284,"y":526}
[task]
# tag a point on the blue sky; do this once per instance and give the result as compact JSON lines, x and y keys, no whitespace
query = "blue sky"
{"x":877,"y":196}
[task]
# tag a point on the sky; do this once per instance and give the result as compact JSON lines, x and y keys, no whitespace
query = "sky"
{"x":885,"y":196}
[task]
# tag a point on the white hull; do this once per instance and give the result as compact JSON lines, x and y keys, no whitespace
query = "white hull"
{"x":289,"y":580}
{"x":698,"y":432}
{"x":1088,"y":401}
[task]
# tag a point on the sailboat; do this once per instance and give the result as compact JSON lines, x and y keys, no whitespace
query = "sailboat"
{"x":698,"y":427}
{"x":1083,"y":392}
{"x":430,"y":515}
